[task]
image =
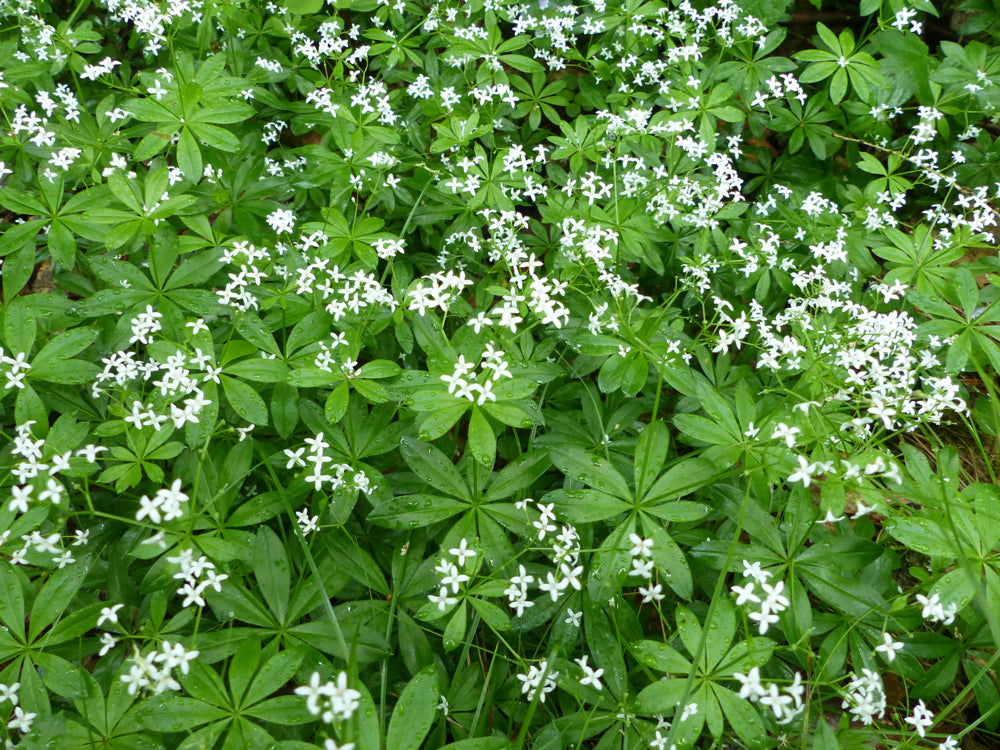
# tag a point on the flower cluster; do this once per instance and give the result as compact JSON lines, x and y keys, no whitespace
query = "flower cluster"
{"x":630,"y":208}
{"x":198,"y":575}
{"x":318,"y":458}
{"x":165,"y":505}
{"x":331,"y":701}
{"x":936,"y":611}
{"x":144,"y":325}
{"x":452,"y":575}
{"x":155,"y":669}
{"x":176,"y":379}
{"x":538,"y":680}
{"x":19,"y":367}
{"x":343,"y":294}
{"x":774,"y":601}
{"x":437,"y":290}
{"x":478,"y":389}
{"x":865,"y":697}
{"x":786,"y":702}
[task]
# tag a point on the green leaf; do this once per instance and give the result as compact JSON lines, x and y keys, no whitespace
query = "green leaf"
{"x":365,"y":722}
{"x":216,"y":137}
{"x":442,"y":420}
{"x":285,"y":409}
{"x":245,"y":400}
{"x":433,"y":467}
{"x":492,"y":615}
{"x":64,"y":345}
{"x":690,"y":630}
{"x":17,"y":269}
{"x":660,"y":656}
{"x":703,"y":429}
{"x":19,"y":235}
{"x":19,"y":326}
{"x":586,"y":506}
{"x":603,"y":645}
{"x":454,"y":631}
{"x":669,"y":559}
{"x":679,"y":480}
{"x":304,"y":7}
{"x":276,"y":672}
{"x":592,"y":470}
{"x":415,"y":711}
{"x":850,"y":595}
{"x":62,"y":245}
{"x":258,"y":369}
{"x":661,"y":697}
{"x":414,"y":511}
{"x":519,"y":474}
{"x":482,"y":441}
{"x":189,"y":155}
{"x":173,"y":713}
{"x":204,"y":683}
{"x":12,"y":601}
{"x":336,"y":403}
{"x":356,"y":562}
{"x":60,"y":676}
{"x":242,"y":604}
{"x":611,"y":563}
{"x":273,"y":571}
{"x":721,"y":627}
{"x":55,"y":596}
{"x":921,"y":535}
{"x":378,"y":369}
{"x":650,"y":454}
{"x":257,"y":510}
{"x":285,"y":710}
{"x":252,"y":329}
{"x":495,"y":742}
{"x":743,"y":717}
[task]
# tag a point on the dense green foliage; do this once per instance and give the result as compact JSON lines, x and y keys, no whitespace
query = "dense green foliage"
{"x":485,"y":375}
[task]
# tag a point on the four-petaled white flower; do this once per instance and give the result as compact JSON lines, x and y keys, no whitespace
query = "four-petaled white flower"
{"x":922,"y":718}
{"x":889,"y":647}
{"x":109,"y":614}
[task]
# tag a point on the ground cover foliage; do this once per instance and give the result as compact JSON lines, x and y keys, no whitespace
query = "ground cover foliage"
{"x":486,"y":375}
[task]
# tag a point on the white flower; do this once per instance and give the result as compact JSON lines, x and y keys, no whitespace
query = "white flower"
{"x":307,"y":523}
{"x":21,"y":495}
{"x":745,"y":594}
{"x":9,"y":693}
{"x":591,"y":676}
{"x":691,"y":709}
{"x":889,"y":647}
{"x":442,"y":600}
{"x":21,"y":720}
{"x":652,"y":594}
{"x":922,"y":718}
{"x":109,"y":614}
{"x":751,"y":686}
{"x":641,"y":568}
{"x":803,"y":473}
{"x":640,"y":547}
{"x":462,"y":551}
{"x":281,"y":221}
{"x":783,"y":431}
{"x":532,"y":681}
